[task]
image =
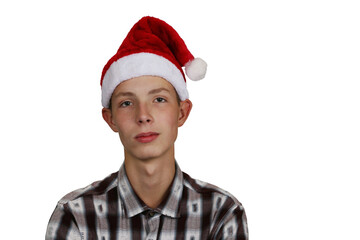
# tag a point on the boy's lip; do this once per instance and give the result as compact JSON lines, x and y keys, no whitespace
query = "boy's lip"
{"x":146,"y":137}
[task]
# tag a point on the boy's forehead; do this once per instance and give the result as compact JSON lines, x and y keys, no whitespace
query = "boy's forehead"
{"x":144,"y":84}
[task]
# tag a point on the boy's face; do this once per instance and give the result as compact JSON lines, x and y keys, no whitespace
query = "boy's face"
{"x":146,"y":114}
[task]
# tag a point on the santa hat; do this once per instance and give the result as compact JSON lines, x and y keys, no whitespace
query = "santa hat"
{"x":152,"y":47}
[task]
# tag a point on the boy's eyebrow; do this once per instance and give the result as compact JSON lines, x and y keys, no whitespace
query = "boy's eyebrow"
{"x":157,"y":90}
{"x":154,"y":91}
{"x":124,"y":94}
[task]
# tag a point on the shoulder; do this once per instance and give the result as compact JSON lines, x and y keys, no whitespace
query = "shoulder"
{"x":70,"y":209}
{"x":95,"y":188}
{"x":227,"y":214}
{"x":204,"y":188}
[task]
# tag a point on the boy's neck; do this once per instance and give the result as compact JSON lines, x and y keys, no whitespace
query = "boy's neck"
{"x":150,"y":179}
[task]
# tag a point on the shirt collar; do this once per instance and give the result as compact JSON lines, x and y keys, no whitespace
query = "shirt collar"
{"x":133,"y":204}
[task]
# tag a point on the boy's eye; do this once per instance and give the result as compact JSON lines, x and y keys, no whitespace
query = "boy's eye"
{"x":160,"y":99}
{"x":125,"y":104}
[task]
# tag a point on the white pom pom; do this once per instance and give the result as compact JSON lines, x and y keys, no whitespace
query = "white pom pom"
{"x":196,"y":69}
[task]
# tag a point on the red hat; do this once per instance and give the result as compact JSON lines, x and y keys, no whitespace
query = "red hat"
{"x":152,"y":47}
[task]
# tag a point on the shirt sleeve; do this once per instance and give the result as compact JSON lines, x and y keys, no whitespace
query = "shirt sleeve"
{"x":62,"y":225}
{"x":233,"y":226}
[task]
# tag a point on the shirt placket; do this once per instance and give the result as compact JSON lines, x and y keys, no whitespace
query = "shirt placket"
{"x":152,"y":225}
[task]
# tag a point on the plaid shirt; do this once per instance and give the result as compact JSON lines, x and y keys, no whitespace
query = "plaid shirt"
{"x":110,"y":209}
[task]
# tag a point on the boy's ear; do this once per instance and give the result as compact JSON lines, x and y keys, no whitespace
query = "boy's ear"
{"x":107,"y":116}
{"x":185,"y":108}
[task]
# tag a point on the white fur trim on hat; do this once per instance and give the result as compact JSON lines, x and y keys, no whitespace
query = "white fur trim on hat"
{"x":141,"y":64}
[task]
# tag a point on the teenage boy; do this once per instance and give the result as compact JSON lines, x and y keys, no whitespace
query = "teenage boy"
{"x":145,"y":100}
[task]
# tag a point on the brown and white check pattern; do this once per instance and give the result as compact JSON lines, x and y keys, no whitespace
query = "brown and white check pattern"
{"x":109,"y":210}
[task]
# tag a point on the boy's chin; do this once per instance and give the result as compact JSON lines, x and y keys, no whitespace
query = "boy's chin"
{"x":146,"y":156}
{"x":149,"y":154}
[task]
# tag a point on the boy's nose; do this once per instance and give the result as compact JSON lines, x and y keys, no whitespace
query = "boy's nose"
{"x":144,"y":115}
{"x":142,"y":120}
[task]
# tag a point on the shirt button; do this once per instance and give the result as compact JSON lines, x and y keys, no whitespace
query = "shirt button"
{"x":151,"y":214}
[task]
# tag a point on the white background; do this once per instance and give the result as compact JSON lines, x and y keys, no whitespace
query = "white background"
{"x":275,"y":122}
